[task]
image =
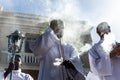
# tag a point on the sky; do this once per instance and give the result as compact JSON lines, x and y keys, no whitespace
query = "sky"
{"x":93,"y":11}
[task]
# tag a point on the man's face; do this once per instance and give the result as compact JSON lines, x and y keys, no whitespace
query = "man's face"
{"x":18,"y":62}
{"x":106,"y":31}
{"x":57,"y":26}
{"x":59,"y":31}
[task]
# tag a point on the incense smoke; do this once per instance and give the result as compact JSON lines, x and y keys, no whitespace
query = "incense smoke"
{"x":109,"y":42}
{"x":77,"y":24}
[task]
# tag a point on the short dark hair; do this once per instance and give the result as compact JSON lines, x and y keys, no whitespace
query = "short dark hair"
{"x":17,"y":57}
{"x":54,"y":23}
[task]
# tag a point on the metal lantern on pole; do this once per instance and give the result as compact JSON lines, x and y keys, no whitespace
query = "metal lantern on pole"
{"x":15,"y":41}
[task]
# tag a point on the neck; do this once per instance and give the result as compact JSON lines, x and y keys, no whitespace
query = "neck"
{"x":17,"y":68}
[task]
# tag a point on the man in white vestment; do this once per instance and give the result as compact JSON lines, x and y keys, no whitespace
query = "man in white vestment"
{"x":104,"y":61}
{"x":58,"y":61}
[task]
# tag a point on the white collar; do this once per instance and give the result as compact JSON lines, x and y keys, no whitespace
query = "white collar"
{"x":19,"y":70}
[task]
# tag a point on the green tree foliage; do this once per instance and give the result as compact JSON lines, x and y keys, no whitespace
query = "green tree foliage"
{"x":44,"y":27}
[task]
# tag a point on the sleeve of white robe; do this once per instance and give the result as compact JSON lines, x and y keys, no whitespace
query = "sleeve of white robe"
{"x":99,"y":62}
{"x":43,"y":43}
{"x":74,"y":57}
{"x":28,"y":77}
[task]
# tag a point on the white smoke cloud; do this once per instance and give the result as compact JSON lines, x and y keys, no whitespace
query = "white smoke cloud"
{"x":109,"y":42}
{"x":70,"y":13}
{"x":93,"y":11}
{"x":64,"y":9}
{"x":105,"y":10}
{"x":101,"y":10}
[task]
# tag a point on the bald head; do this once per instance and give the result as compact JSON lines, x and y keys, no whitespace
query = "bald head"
{"x":57,"y":26}
{"x":103,"y":28}
{"x":56,"y":23}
